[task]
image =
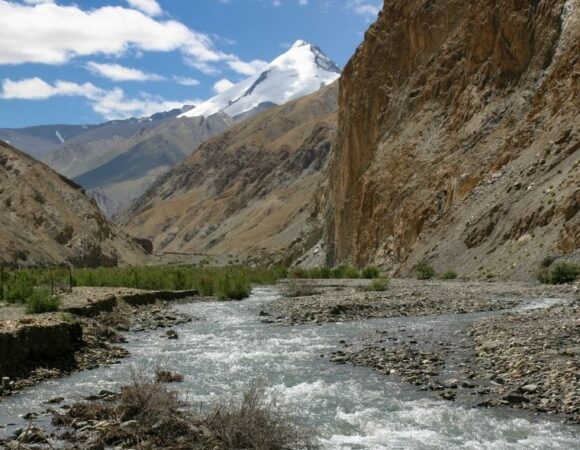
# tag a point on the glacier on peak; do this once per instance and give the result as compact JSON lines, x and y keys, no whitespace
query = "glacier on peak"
{"x":302,"y":70}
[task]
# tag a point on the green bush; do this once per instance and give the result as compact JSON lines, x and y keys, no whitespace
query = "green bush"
{"x":42,"y":301}
{"x":379,"y":284}
{"x":205,"y":284}
{"x":561,"y":274}
{"x":19,"y":286}
{"x":544,"y":276}
{"x":424,"y":271}
{"x":235,"y":281}
{"x":344,"y":271}
{"x":232,"y":286}
{"x":370,"y":272}
{"x":449,"y":275}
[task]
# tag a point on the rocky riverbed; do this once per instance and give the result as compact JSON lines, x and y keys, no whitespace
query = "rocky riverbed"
{"x":469,"y":352}
{"x":322,"y":301}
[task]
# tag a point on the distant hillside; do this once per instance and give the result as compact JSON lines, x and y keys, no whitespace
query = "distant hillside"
{"x":47,"y":219}
{"x":250,"y":191}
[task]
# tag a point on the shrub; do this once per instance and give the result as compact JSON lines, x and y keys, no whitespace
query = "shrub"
{"x":205,"y":285}
{"x":370,"y":272}
{"x":254,"y":422}
{"x":424,"y":271}
{"x":344,"y":271}
{"x":42,"y":301}
{"x":160,"y":419}
{"x":379,"y":285}
{"x":449,"y":275}
{"x":319,"y":273}
{"x":561,"y":274}
{"x":20,"y":286}
{"x":232,"y":286}
{"x":544,"y":276}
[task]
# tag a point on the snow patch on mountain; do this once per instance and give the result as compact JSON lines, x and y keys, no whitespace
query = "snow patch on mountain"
{"x":59,"y":137}
{"x":300,"y":71}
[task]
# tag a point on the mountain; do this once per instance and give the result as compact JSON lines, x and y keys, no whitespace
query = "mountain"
{"x":53,"y":143}
{"x":47,"y":219}
{"x":458,"y":139}
{"x":98,"y":144}
{"x":300,"y":71}
{"x":41,"y":140}
{"x":144,"y":157}
{"x":251,"y":191}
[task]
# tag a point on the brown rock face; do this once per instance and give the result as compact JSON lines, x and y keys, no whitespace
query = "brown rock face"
{"x":47,"y":219}
{"x":458,"y":137}
{"x":249,"y":192}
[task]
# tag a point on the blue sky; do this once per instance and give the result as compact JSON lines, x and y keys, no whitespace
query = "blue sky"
{"x":94,"y":60}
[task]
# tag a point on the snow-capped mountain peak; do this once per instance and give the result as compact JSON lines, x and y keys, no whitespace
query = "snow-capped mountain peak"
{"x":302,"y":70}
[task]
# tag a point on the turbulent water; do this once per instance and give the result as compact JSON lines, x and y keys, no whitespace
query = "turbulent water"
{"x":228,"y":348}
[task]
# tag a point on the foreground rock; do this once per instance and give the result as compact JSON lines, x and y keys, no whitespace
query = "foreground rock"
{"x":345,"y":300}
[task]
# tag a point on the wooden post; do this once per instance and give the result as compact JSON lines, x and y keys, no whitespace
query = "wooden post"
{"x":51,"y":282}
{"x":70,"y":279}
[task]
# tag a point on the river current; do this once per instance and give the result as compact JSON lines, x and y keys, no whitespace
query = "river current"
{"x":227,"y":348}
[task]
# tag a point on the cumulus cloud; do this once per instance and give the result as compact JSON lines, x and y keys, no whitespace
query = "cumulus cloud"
{"x":111,"y":104}
{"x":117,"y":72}
{"x":222,"y":85}
{"x":49,"y":33}
{"x":149,"y":7}
{"x":38,"y":89}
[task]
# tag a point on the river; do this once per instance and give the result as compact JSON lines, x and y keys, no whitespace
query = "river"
{"x":227,"y":348}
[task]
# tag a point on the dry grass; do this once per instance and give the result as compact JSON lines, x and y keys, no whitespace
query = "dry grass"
{"x":254,"y":423}
{"x":147,"y":415}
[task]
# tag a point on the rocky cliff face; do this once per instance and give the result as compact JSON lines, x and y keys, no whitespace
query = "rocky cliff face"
{"x":250,"y":192}
{"x":458,"y":138}
{"x":47,"y":219}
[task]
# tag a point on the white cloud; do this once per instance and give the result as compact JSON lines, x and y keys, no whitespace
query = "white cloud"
{"x":116,"y":72}
{"x":222,"y":85}
{"x":38,"y":89}
{"x":149,"y":7}
{"x":111,"y":104}
{"x":54,"y":34}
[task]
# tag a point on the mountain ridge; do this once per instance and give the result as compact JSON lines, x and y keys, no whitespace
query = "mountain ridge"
{"x":46,"y":219}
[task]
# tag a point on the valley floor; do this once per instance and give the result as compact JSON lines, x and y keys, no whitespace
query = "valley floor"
{"x":485,"y":344}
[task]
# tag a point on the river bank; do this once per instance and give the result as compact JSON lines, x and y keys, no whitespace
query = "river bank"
{"x":346,"y":300}
{"x":527,"y":359}
{"x":84,"y":335}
